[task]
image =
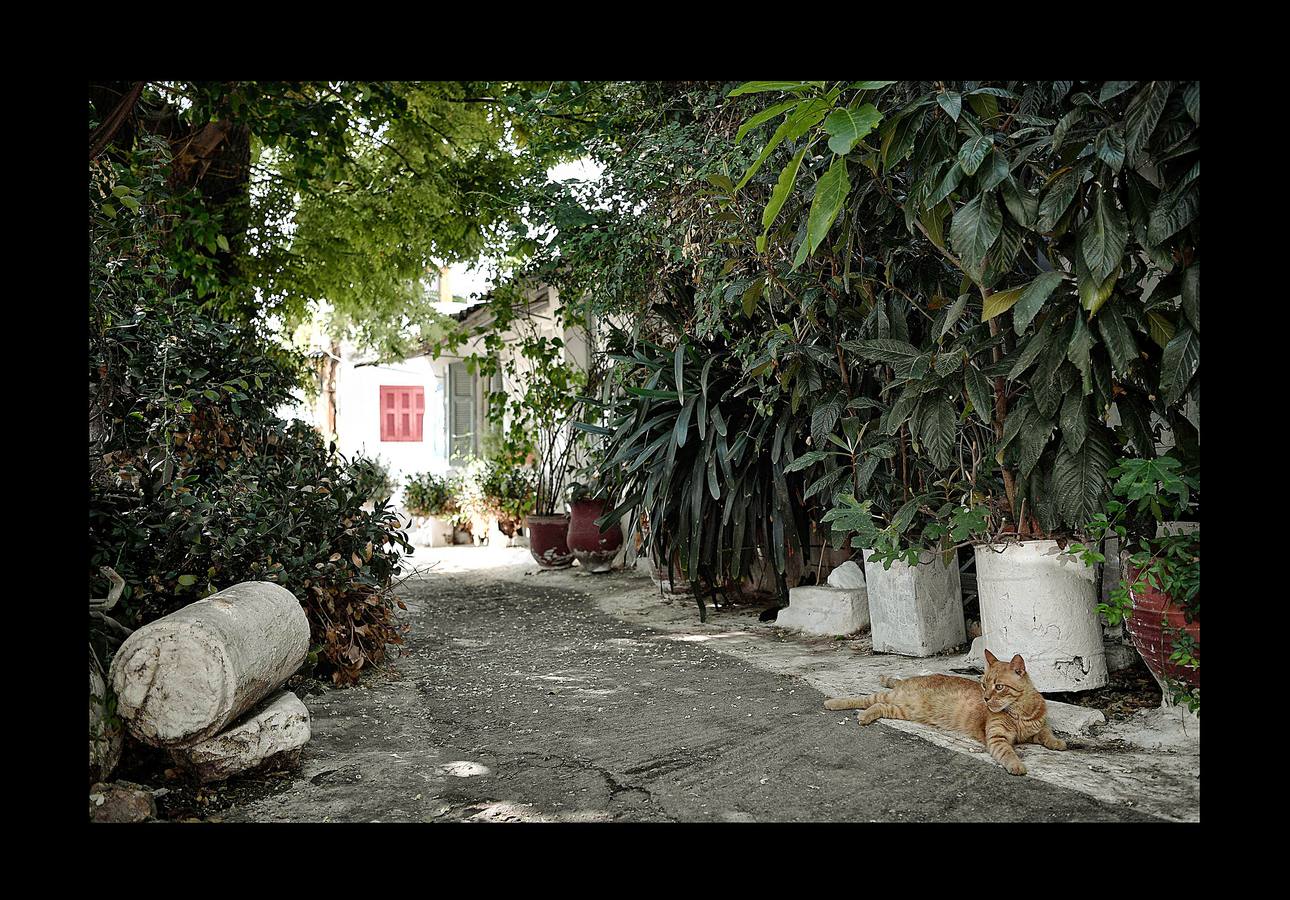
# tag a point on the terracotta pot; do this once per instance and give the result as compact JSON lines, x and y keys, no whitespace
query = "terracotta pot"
{"x":548,"y":541}
{"x":1152,"y":624}
{"x":594,"y":549}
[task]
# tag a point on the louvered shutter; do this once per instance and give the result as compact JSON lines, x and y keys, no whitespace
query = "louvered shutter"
{"x":402,"y":412}
{"x":461,"y":414}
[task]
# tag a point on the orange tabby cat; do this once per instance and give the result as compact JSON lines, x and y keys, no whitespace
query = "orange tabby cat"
{"x":1000,"y":710}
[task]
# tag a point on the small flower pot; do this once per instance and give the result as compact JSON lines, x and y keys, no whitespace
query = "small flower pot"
{"x":1041,"y":602}
{"x":594,"y":549}
{"x":548,"y":541}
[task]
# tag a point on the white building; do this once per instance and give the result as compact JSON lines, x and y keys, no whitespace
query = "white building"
{"x":423,"y":413}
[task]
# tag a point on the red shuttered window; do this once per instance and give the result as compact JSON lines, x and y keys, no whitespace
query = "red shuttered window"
{"x":403,"y":410}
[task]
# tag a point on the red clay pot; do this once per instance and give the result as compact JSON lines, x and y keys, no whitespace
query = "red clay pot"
{"x":1153,"y":609}
{"x":594,"y":549}
{"x":547,"y":535}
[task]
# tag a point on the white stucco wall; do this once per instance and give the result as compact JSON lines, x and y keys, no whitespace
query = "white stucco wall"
{"x":358,"y":416}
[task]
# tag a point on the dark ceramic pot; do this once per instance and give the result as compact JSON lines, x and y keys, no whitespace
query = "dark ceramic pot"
{"x":547,"y":541}
{"x":594,"y":549}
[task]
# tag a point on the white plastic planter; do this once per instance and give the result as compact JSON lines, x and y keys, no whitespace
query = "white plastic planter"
{"x":915,"y":610}
{"x":1041,"y":602}
{"x":431,"y":532}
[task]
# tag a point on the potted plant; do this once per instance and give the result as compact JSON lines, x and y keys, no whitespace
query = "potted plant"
{"x":548,"y":523}
{"x":914,"y":592}
{"x":509,"y":491}
{"x":432,"y":499}
{"x":594,"y":548}
{"x":1158,"y":597}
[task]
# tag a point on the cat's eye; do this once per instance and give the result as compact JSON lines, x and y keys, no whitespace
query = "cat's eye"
{"x":998,"y":687}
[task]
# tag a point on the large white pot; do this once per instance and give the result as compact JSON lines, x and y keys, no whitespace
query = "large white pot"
{"x":1041,"y":602}
{"x":915,"y":610}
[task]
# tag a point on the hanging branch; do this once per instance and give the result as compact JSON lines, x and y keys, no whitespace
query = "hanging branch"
{"x":102,"y":136}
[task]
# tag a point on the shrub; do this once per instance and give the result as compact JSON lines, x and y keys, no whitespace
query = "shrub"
{"x":291,"y":514}
{"x":195,"y":483}
{"x":428,"y":494}
{"x":489,"y":488}
{"x":372,"y":477}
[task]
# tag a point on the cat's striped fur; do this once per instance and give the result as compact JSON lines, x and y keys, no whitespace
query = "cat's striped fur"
{"x":1000,"y":710}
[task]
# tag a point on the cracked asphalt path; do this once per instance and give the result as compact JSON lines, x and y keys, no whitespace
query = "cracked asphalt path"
{"x":524,"y":702}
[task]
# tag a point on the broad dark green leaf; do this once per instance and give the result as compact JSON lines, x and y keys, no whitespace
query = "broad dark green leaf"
{"x":764,"y":116}
{"x":980,"y":393}
{"x":806,"y":460}
{"x":1074,"y":420}
{"x":1023,"y":207}
{"x":1109,"y":146}
{"x":760,"y":87}
{"x":782,"y":188}
{"x":1093,"y":292}
{"x":975,"y":228}
{"x":824,"y":417}
{"x":1117,"y":337}
{"x":1104,"y":237}
{"x":1161,"y":327}
{"x":995,"y":173}
{"x":1143,"y":114}
{"x":1078,"y":351}
{"x":947,"y":186}
{"x":1032,"y":299}
{"x":1111,"y":89}
{"x":1173,"y":212}
{"x":1056,"y":200}
{"x":1191,"y":295}
{"x":1179,"y":363}
{"x":847,"y":127}
{"x":953,"y":314}
{"x":973,"y":153}
{"x":830,"y":193}
{"x":938,"y":430}
{"x":951,"y":102}
{"x":1079,"y":477}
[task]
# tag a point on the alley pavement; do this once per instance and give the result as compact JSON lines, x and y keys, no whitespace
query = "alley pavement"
{"x":519,"y":700}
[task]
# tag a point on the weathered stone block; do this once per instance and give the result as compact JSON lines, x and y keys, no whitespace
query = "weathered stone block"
{"x":847,"y":575}
{"x":916,"y":610}
{"x":825,"y":610}
{"x":186,"y":676}
{"x":280,"y":726}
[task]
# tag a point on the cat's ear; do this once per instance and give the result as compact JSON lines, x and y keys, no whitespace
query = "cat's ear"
{"x":990,"y":657}
{"x":1019,"y":665}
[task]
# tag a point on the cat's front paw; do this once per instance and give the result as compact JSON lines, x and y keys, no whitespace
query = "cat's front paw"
{"x":1057,"y":744}
{"x":1015,"y":767}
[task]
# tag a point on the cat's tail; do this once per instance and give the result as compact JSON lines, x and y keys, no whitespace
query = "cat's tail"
{"x":855,"y":702}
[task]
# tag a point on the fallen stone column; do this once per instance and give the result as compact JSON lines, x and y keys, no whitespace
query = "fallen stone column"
{"x":183,"y":678}
{"x":279,"y":726}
